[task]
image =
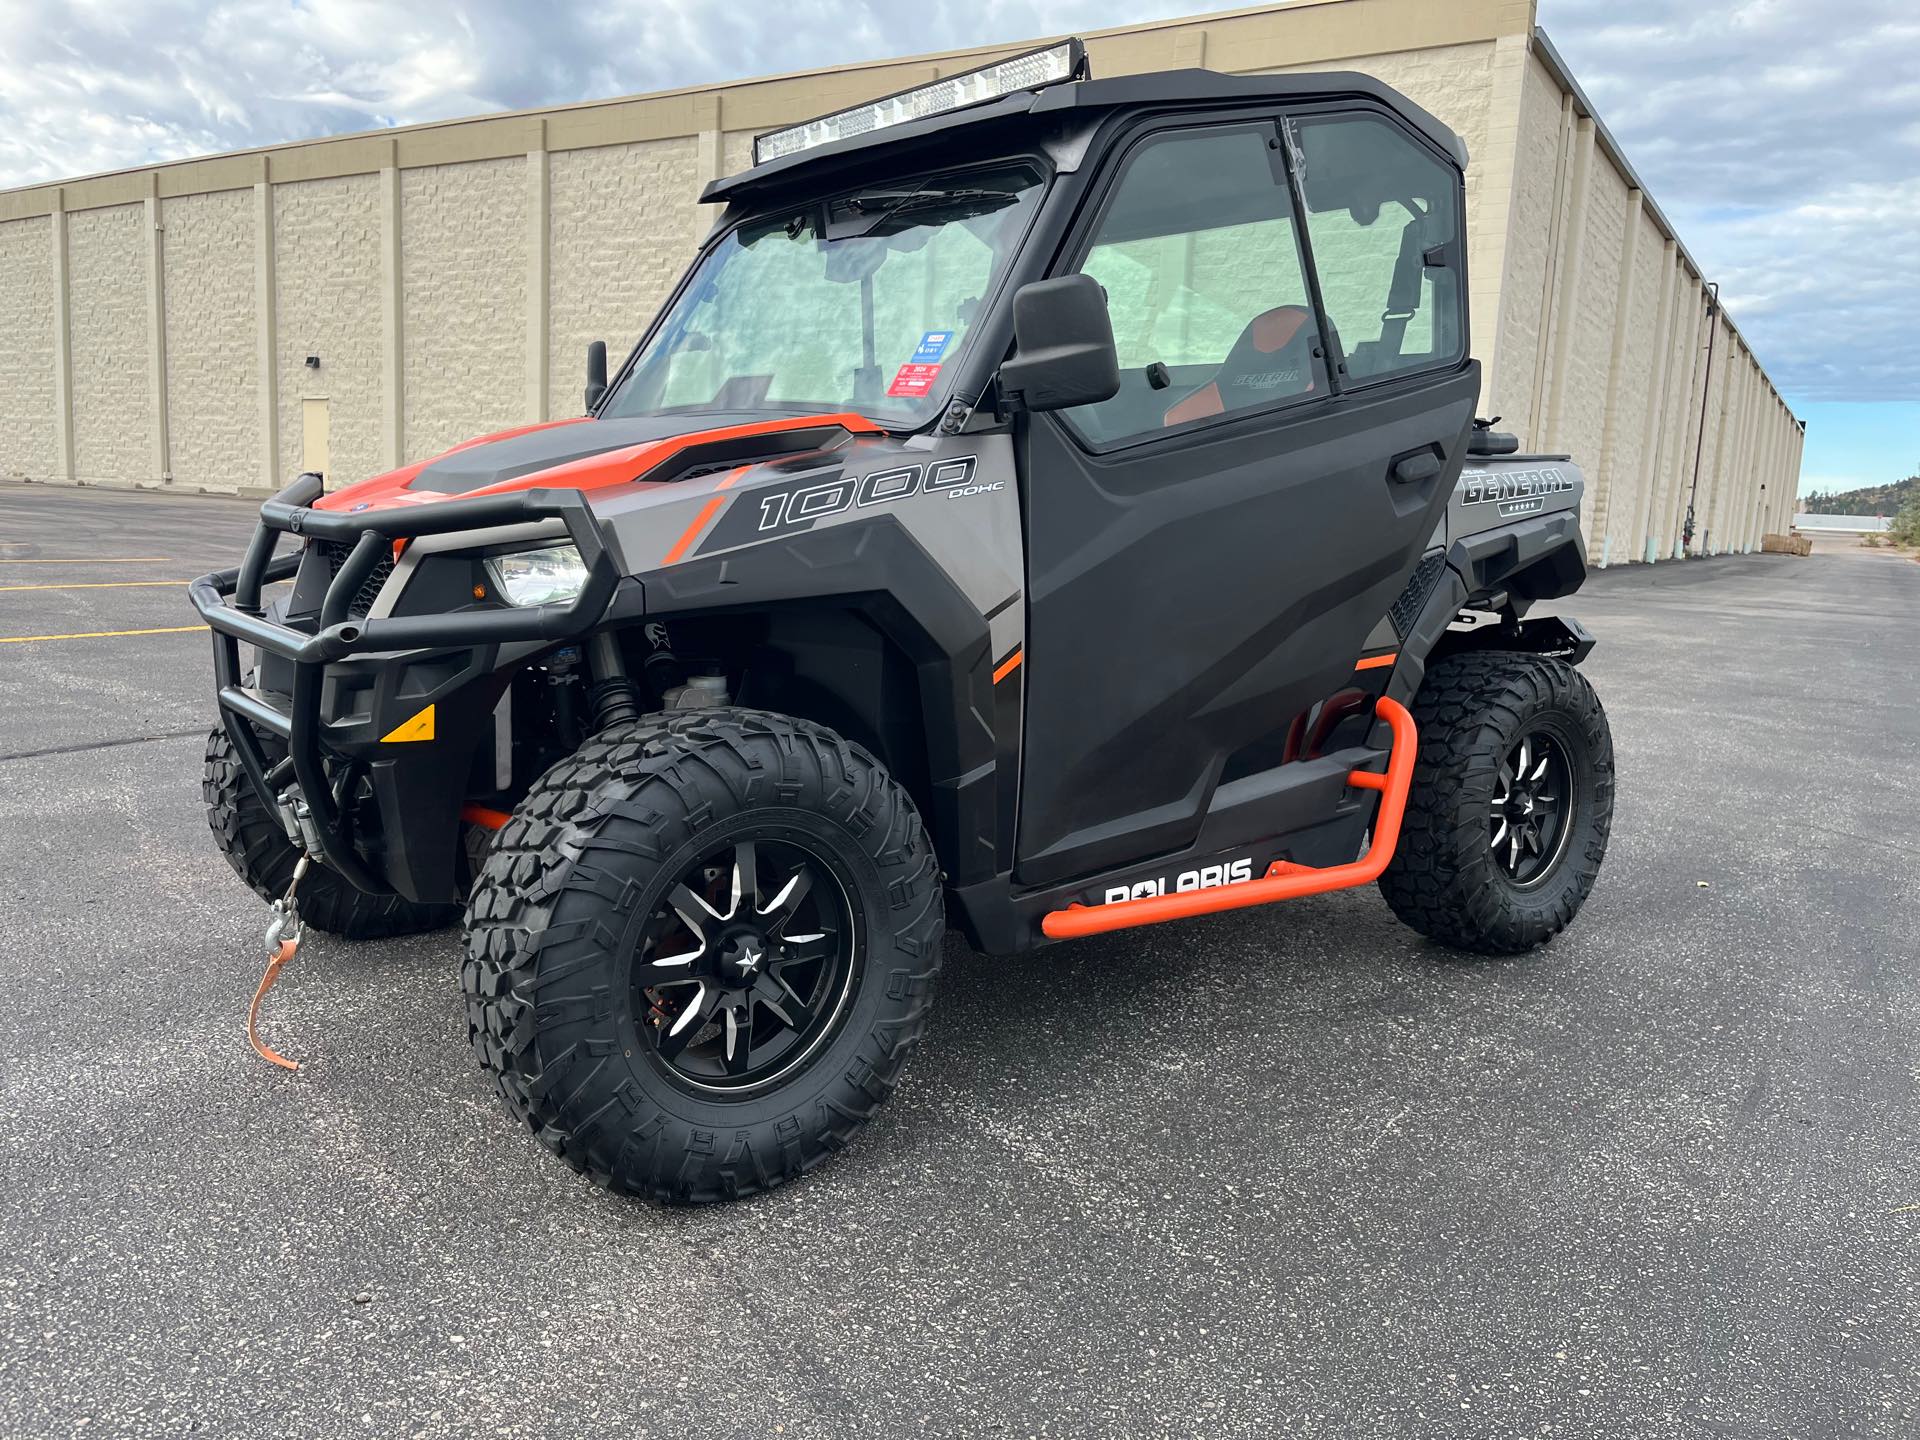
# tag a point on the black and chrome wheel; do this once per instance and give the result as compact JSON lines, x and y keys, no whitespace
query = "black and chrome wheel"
{"x":1529,"y":821}
{"x":746,"y":965}
{"x":1511,"y":802}
{"x":701,"y":950}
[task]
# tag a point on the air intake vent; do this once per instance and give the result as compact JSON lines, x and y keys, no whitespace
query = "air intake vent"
{"x":335,"y":553}
{"x":1406,"y":610}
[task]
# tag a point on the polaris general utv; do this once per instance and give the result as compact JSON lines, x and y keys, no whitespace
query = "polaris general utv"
{"x":1049,"y":503}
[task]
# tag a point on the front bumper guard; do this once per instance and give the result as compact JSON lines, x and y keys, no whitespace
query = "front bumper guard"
{"x":229,"y":601}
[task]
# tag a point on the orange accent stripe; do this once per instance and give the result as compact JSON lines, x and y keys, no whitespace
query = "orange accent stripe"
{"x":1008,"y":666}
{"x":685,"y":542}
{"x":1283,"y":881}
{"x":481,"y":815}
{"x":1376,"y":662}
{"x":707,"y":512}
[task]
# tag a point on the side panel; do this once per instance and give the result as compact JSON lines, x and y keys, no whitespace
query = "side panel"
{"x":923,"y":540}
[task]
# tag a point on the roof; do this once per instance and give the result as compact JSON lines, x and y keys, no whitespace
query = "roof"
{"x":1090,"y":98}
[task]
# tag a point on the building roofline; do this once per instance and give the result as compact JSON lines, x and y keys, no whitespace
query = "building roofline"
{"x":1562,"y":74}
{"x":683,"y":92}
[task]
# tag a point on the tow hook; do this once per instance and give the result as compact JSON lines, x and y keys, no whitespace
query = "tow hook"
{"x":283,"y":943}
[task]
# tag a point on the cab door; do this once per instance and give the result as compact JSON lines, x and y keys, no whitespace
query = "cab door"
{"x":1208,"y":550}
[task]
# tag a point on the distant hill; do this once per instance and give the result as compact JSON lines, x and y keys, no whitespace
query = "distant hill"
{"x":1873,"y":500}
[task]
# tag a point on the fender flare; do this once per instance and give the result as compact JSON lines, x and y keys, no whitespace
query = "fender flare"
{"x":875,"y":567}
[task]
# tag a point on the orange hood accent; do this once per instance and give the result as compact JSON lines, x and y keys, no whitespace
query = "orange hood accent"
{"x":619,"y":466}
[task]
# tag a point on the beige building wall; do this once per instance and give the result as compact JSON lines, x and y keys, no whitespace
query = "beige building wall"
{"x":622,"y":222}
{"x":213,"y":422}
{"x":327,"y":304}
{"x":446,"y":278}
{"x":106,"y":308}
{"x":463,"y":276}
{"x":27,"y":435}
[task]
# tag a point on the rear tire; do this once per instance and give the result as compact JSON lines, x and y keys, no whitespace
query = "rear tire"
{"x":249,"y":835}
{"x":1497,"y":856}
{"x":639,"y":935}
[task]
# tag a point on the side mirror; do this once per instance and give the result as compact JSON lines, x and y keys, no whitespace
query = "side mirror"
{"x":596,"y":374}
{"x":1063,"y":351}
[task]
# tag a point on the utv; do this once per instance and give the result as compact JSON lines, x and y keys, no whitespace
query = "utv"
{"x":1047,"y":502}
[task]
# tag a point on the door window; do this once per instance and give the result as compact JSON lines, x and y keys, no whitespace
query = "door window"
{"x":1197,"y":253}
{"x":1383,"y":215}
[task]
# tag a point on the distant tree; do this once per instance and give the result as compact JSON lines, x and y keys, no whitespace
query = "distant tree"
{"x":1906,"y":524}
{"x":1868,"y":500}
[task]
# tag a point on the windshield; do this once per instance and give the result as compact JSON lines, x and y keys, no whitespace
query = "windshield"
{"x":860,"y":302}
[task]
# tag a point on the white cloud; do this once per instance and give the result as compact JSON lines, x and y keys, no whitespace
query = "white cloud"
{"x":1782,"y":136}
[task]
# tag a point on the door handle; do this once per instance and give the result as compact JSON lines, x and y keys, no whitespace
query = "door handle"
{"x":1414,"y":468}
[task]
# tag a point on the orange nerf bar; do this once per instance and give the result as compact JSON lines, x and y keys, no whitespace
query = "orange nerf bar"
{"x":1283,"y":881}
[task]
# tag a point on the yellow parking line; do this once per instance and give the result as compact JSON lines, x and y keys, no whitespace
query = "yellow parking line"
{"x":93,"y":560}
{"x":98,"y":634}
{"x":98,"y":585}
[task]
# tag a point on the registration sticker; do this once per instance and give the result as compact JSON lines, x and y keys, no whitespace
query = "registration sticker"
{"x":911,"y":381}
{"x":933,"y":345}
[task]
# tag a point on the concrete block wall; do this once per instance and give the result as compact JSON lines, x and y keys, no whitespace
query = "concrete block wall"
{"x":621,"y":231}
{"x":463,"y":276}
{"x":1602,"y":349}
{"x":27,"y":434}
{"x":213,"y":422}
{"x":448,"y":277}
{"x":328,"y":293}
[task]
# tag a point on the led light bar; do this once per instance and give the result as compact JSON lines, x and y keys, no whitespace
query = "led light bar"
{"x":1065,"y":61}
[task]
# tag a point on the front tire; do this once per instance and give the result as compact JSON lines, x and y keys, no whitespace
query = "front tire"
{"x":701,"y":950}
{"x":249,"y":835}
{"x":1511,"y":803}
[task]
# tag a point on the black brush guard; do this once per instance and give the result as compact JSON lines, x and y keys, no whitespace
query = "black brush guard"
{"x":229,"y":601}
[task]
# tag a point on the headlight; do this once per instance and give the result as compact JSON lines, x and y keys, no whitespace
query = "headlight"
{"x":539,"y":577}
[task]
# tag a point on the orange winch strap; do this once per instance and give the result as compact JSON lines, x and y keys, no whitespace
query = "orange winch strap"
{"x":274,"y":966}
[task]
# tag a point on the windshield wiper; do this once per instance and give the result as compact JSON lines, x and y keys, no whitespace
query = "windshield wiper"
{"x":886,"y":206}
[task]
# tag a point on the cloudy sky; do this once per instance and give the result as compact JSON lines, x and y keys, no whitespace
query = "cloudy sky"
{"x":1781,"y":136}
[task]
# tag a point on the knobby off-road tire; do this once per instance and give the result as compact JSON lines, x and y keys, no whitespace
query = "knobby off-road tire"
{"x":1458,"y":875}
{"x":251,"y":838}
{"x":569,"y":925}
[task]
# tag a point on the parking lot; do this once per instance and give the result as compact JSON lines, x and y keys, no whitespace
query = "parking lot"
{"x":1286,"y":1171}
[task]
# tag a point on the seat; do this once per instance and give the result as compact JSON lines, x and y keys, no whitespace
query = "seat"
{"x":1272,"y":359}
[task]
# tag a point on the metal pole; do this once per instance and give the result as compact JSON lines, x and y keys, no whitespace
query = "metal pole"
{"x":1706,"y":389}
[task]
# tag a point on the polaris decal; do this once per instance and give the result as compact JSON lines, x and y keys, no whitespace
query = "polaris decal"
{"x":1207,"y":877}
{"x":1515,"y":492}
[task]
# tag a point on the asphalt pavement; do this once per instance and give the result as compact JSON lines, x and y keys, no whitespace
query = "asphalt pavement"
{"x":1282,"y":1172}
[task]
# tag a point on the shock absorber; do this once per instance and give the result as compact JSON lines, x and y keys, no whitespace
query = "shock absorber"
{"x":615,"y":699}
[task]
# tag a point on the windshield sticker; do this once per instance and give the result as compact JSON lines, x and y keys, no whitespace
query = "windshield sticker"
{"x":912,"y":381}
{"x":933,"y":345}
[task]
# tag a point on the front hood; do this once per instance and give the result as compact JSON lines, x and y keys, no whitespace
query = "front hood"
{"x":581,"y":454}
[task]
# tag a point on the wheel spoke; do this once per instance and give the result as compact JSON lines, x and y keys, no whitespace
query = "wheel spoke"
{"x":746,"y":878}
{"x":1513,"y":853}
{"x":695,"y":911}
{"x":1501,"y":833}
{"x":669,"y":970}
{"x":688,"y":1023}
{"x":1525,"y":762}
{"x":1533,"y":838}
{"x":786,"y":903}
{"x":776,"y":995}
{"x":737,"y":1022}
{"x":1541,"y":768}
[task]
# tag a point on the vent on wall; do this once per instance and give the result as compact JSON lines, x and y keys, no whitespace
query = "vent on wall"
{"x":1413,"y":599}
